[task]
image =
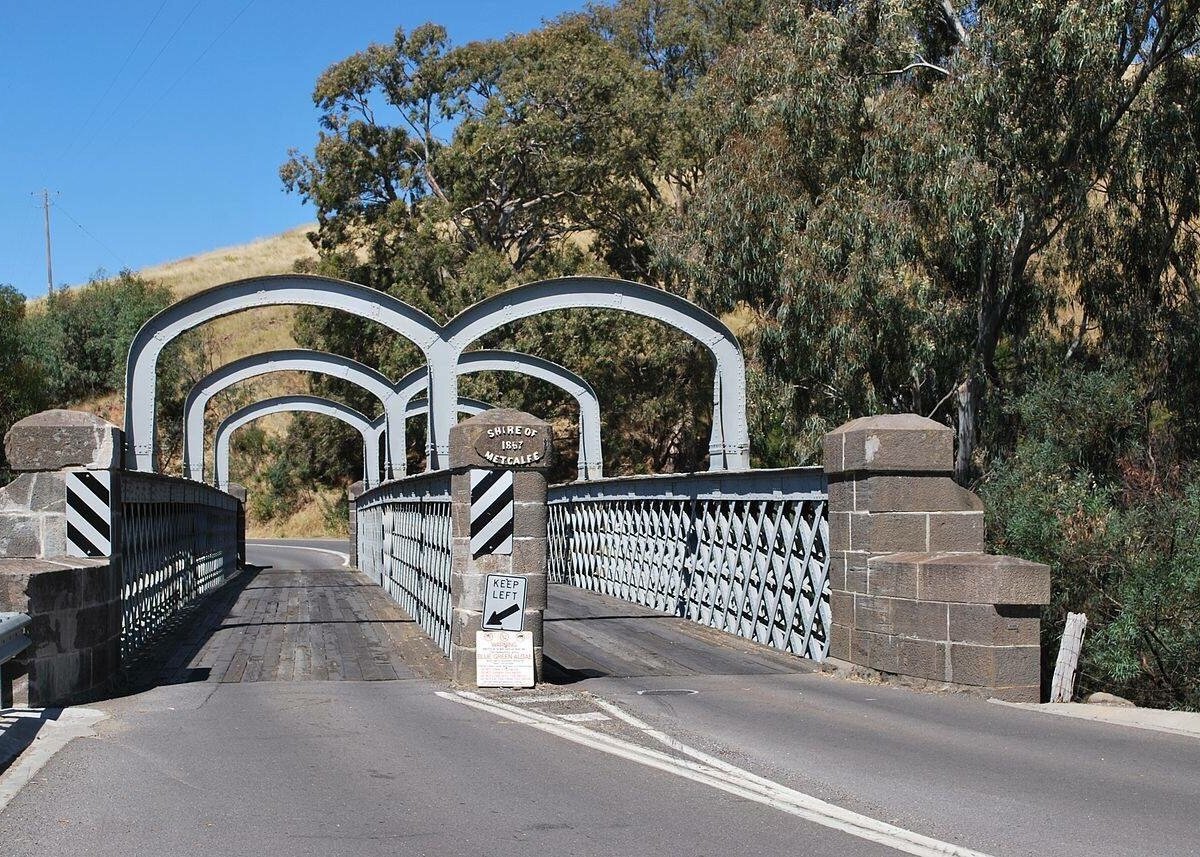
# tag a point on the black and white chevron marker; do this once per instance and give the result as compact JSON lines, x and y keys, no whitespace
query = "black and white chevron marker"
{"x":491,"y":512}
{"x":89,"y":513}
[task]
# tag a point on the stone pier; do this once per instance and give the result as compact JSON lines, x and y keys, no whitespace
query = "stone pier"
{"x":499,"y":439}
{"x":74,"y":602}
{"x":913,"y":592}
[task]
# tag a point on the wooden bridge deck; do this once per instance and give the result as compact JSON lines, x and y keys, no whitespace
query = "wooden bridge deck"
{"x":275,"y":625}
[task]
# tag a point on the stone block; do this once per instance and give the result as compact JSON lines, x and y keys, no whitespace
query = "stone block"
{"x":883,"y":653}
{"x":460,"y":516}
{"x":995,"y":666}
{"x":16,"y":496}
{"x":839,"y":531}
{"x":892,"y":532}
{"x":529,"y":486}
{"x":933,"y":621}
{"x":92,"y":627}
{"x":857,"y":580}
{"x":837,"y":571}
{"x":462,"y":664}
{"x":529,"y":555}
{"x":914,"y":494}
{"x":896,"y":616}
{"x":922,"y":659}
{"x":994,"y":625}
{"x":468,"y":590}
{"x":530,"y":519}
{"x":238,"y":492}
{"x":839,"y":641}
{"x":841,"y":607}
{"x":21,"y":535}
{"x":956,"y":531}
{"x":463,"y":625}
{"x":905,"y":443}
{"x":895,"y":575}
{"x":860,"y":647}
{"x":57,"y":439}
{"x":356,"y":490}
{"x":54,"y":534}
{"x":978,"y":578}
{"x":841,"y":495}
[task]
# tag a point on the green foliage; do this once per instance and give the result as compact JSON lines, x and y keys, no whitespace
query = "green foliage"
{"x":904,"y":199}
{"x":80,"y":337}
{"x":22,"y":384}
{"x":1094,"y":489}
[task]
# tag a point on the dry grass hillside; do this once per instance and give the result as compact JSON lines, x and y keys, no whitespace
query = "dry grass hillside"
{"x":242,"y":333}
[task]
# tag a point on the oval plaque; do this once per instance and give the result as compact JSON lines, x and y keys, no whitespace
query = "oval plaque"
{"x":513,"y":445}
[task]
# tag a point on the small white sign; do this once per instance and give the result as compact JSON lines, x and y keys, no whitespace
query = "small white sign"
{"x":504,"y":659}
{"x":504,"y":603}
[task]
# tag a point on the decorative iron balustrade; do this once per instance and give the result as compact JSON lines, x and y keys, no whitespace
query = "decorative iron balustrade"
{"x":743,"y":552}
{"x":404,"y":542}
{"x":178,"y":540}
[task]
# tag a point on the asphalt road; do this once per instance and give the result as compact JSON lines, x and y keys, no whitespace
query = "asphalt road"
{"x":391,"y":767}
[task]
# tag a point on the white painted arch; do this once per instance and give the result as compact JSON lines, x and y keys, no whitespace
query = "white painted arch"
{"x":442,"y":345}
{"x":289,"y":289}
{"x":729,"y":442}
{"x":296,"y":404}
{"x":591,"y":457}
{"x":267,"y":362}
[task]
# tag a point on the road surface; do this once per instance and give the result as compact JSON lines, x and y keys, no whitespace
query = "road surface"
{"x":615,"y":758}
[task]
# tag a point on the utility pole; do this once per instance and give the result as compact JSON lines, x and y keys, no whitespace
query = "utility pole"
{"x":49,"y":263}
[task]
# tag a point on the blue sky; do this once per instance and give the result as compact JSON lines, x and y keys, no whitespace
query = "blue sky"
{"x":171,"y":147}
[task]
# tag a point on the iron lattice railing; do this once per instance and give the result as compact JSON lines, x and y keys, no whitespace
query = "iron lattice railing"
{"x":743,"y":552}
{"x":178,"y":541}
{"x":404,"y":541}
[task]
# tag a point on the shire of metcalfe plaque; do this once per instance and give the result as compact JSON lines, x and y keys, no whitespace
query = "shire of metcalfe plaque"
{"x":512,"y":445}
{"x":502,"y":439}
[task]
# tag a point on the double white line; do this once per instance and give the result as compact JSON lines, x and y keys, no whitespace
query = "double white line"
{"x":700,"y":767}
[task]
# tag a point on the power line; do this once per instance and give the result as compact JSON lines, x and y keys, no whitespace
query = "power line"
{"x":124,"y":64}
{"x":88,"y":233}
{"x":146,"y":70}
{"x":195,"y":62}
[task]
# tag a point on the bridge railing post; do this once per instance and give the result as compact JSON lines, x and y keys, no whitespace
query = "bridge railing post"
{"x":498,"y":463}
{"x":239,"y":492}
{"x":913,"y":592}
{"x":60,"y":556}
{"x":352,"y":494}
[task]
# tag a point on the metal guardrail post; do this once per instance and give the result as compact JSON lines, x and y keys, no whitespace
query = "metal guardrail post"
{"x":13,"y":641}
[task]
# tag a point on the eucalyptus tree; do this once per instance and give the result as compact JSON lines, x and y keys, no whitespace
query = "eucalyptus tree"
{"x":921,"y":204}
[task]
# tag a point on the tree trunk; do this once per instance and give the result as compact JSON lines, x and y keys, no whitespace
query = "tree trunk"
{"x":968,"y":414}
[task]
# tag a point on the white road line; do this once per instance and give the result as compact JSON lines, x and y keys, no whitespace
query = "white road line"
{"x":345,"y":556}
{"x":53,"y":736}
{"x":724,"y":777}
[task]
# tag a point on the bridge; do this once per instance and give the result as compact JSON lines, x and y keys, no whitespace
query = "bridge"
{"x":724,"y":662}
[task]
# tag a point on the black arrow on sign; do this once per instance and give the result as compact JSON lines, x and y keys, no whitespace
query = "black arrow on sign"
{"x":499,"y":616}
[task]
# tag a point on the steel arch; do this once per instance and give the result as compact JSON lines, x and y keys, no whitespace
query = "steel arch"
{"x":415,"y":408}
{"x":296,"y":404}
{"x":290,"y":289}
{"x":729,"y":443}
{"x":591,"y":459}
{"x":255,"y":365}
